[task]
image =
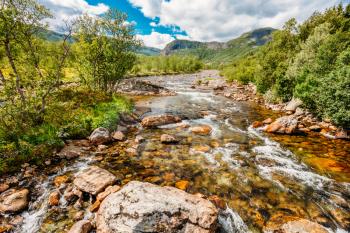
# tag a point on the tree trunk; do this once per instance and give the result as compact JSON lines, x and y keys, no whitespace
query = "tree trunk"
{"x":14,"y":69}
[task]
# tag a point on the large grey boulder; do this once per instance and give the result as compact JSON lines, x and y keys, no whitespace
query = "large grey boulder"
{"x":293,"y":105}
{"x":94,"y":180}
{"x":144,"y":207}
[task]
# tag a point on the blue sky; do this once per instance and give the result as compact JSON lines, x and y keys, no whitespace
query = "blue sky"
{"x":157,"y":22}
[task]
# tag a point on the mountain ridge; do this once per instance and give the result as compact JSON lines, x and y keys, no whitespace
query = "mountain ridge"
{"x":214,"y":51}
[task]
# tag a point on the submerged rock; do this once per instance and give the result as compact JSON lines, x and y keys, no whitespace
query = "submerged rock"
{"x":13,"y":200}
{"x":100,"y":136}
{"x":93,"y":180}
{"x":158,"y":120}
{"x":301,"y":225}
{"x":144,"y":207}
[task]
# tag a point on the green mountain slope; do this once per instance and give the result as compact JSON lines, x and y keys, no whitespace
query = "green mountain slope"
{"x":217,"y":52}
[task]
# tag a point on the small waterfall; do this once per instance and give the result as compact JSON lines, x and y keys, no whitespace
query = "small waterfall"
{"x":34,"y":216}
{"x":231,"y":222}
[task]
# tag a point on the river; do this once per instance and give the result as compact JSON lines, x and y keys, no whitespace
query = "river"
{"x":263,"y":179}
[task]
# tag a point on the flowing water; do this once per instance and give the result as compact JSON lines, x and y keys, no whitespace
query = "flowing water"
{"x":265,"y":180}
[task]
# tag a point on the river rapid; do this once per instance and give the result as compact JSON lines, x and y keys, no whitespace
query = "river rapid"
{"x":264,"y":180}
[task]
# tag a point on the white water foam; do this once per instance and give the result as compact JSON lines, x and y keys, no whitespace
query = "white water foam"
{"x":285,"y":163}
{"x":34,"y":216}
{"x":231,"y":222}
{"x":198,"y":97}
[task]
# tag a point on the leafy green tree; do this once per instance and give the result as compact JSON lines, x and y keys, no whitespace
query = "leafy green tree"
{"x":104,"y":49}
{"x":31,"y":69}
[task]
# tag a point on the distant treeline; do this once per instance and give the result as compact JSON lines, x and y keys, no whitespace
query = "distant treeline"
{"x":157,"y":65}
{"x":309,"y":61}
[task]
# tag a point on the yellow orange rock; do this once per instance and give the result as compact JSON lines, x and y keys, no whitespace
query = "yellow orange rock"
{"x":60,"y":180}
{"x":182,"y":184}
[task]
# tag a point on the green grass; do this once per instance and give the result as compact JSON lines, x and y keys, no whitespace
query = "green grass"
{"x":75,"y":114}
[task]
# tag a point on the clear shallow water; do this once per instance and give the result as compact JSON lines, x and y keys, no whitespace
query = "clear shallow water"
{"x":264,"y":179}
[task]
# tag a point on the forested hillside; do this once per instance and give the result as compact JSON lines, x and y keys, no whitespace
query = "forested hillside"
{"x":218,"y":53}
{"x":310,"y":61}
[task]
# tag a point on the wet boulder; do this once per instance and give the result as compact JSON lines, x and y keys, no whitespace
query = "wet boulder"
{"x":13,"y":200}
{"x":94,"y":180}
{"x":145,"y":207}
{"x":201,"y":129}
{"x":70,"y":151}
{"x":166,"y":138}
{"x":82,"y":226}
{"x":54,"y":198}
{"x":283,"y":125}
{"x":158,"y":120}
{"x":100,"y":136}
{"x":118,"y":136}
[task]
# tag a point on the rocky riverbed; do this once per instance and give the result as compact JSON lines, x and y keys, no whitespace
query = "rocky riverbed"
{"x":197,"y":161}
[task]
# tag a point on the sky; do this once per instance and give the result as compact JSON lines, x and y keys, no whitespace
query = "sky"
{"x":158,"y":22}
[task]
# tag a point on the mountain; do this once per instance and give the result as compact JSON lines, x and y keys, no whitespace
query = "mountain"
{"x":220,"y":52}
{"x":148,"y":51}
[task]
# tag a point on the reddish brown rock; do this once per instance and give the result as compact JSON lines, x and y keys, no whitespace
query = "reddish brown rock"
{"x":108,"y":190}
{"x":83,"y":226}
{"x":217,"y":201}
{"x":201,"y":129}
{"x":95,"y":206}
{"x":158,"y":120}
{"x":4,"y":187}
{"x":257,"y":124}
{"x":54,"y":198}
{"x":267,"y":121}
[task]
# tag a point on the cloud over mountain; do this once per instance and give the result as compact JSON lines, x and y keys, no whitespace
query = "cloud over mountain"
{"x":220,"y":20}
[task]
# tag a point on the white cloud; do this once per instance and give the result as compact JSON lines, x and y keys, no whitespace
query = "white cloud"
{"x":156,"y":39}
{"x":150,"y":8}
{"x":65,"y":10}
{"x":221,"y":20}
{"x":153,"y":24}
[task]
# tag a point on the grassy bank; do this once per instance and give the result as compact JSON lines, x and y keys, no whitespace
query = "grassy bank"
{"x":74,"y":115}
